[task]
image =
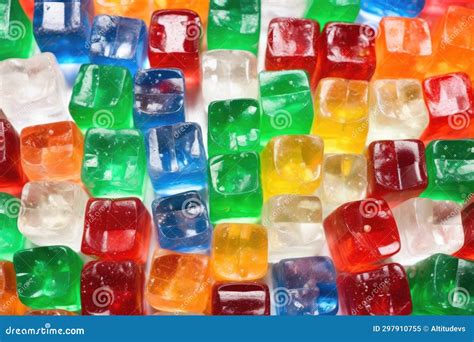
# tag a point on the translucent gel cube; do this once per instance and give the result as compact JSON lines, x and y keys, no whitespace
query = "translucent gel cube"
{"x":9,"y":301}
{"x":344,"y":179}
{"x":292,"y":164}
{"x":118,"y":41}
{"x":427,"y":227}
{"x":176,"y":158}
{"x":11,"y":240}
{"x":16,"y":32}
{"x":294,"y":225}
{"x":32,"y":91}
{"x":397,"y":110}
{"x":102,"y":97}
{"x":341,"y":114}
{"x":52,"y":213}
{"x":233,"y":72}
{"x":159,"y":98}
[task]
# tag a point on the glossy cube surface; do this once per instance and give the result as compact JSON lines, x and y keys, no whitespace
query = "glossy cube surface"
{"x":112,"y":288}
{"x":182,"y":222}
{"x":118,"y":41}
{"x":360,"y":234}
{"x":52,"y":152}
{"x":175,"y":39}
{"x":233,"y":126}
{"x":16,"y":33}
{"x":305,"y":286}
{"x":159,"y":98}
{"x":341,"y":114}
{"x":10,"y":304}
{"x":102,"y":97}
{"x":325,"y":11}
{"x":235,"y":191}
{"x":382,"y":291}
{"x":11,"y":240}
{"x":238,"y":299}
{"x":178,"y":283}
{"x":114,"y":162}
{"x":239,"y":252}
{"x":52,"y":213}
{"x":176,"y":158}
{"x":467,"y":250}
{"x":62,"y":27}
{"x":292,"y":164}
{"x":49,"y":277}
{"x":396,"y":170}
{"x":116,"y":229}
{"x":286,"y":104}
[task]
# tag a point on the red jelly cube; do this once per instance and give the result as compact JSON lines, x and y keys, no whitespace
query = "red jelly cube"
{"x":116,"y":229}
{"x":450,"y":103}
{"x":396,"y":170}
{"x":112,"y":288}
{"x":292,"y":44}
{"x":174,"y":42}
{"x":12,"y":177}
{"x":467,"y":251}
{"x":346,"y":51}
{"x":361,"y":234}
{"x":380,"y":291}
{"x":240,"y":299}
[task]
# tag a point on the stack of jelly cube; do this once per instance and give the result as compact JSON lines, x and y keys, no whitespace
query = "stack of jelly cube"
{"x":330,"y":170}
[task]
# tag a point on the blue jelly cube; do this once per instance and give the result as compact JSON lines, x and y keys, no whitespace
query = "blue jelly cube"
{"x":400,"y":8}
{"x":63,"y":28}
{"x":159,"y":98}
{"x":119,"y":41}
{"x":305,"y":286}
{"x":182,"y":222}
{"x":176,"y":159}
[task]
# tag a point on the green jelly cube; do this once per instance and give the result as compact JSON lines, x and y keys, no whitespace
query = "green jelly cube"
{"x":102,"y":97}
{"x":286,"y":104}
{"x":450,"y":165}
{"x":442,"y":285}
{"x":11,"y":240}
{"x":49,"y":277}
{"x":114,"y":162}
{"x":16,"y":31}
{"x":233,"y":126}
{"x":325,"y":11}
{"x":235,"y":193}
{"x":234,"y":25}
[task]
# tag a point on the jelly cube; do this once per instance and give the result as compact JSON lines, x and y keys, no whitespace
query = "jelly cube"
{"x":140,"y":9}
{"x":237,"y":299}
{"x":16,"y":31}
{"x":467,"y":215}
{"x":9,"y":302}
{"x":325,"y":11}
{"x":11,"y":240}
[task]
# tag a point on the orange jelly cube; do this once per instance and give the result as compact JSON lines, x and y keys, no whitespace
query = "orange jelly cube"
{"x":9,"y":302}
{"x":52,"y":151}
{"x":140,"y":9}
{"x":454,"y":46}
{"x":239,"y":252}
{"x":178,"y":282}
{"x":403,"y":48}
